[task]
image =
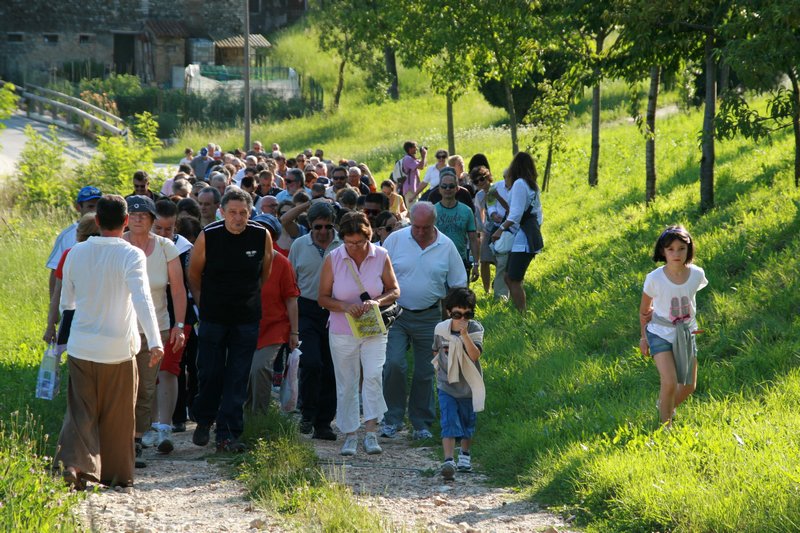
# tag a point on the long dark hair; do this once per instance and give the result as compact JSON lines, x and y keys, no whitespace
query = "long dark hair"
{"x":522,"y":166}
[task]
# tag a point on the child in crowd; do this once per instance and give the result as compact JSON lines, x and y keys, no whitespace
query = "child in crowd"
{"x":457,"y":346}
{"x":667,"y":317}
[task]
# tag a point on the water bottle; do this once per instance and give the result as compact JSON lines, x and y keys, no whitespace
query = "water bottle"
{"x":48,"y":381}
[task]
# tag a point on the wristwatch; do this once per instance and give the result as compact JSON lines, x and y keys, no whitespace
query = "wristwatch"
{"x":179,"y":325}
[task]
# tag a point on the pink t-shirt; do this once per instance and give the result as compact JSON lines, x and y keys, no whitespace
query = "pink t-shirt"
{"x":345,"y":287}
{"x":411,"y":169}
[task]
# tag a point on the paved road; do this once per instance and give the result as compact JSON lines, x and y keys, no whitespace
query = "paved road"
{"x":12,"y":141}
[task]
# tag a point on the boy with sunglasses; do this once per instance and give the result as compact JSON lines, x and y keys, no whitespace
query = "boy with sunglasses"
{"x":457,"y":346}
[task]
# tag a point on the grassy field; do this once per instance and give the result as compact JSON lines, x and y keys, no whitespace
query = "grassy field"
{"x":570,"y":417}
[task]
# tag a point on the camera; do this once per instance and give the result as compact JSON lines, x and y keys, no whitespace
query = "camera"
{"x":425,"y":148}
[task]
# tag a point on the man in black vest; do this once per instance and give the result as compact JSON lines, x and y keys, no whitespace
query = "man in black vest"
{"x":230,"y":261}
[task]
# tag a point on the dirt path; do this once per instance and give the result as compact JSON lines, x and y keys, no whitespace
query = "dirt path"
{"x":193,"y":490}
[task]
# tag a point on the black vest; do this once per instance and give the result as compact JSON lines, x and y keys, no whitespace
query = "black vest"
{"x":231,"y":288}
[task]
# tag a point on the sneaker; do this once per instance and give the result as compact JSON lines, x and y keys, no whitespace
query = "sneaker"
{"x":164,"y":444}
{"x":389,"y":431}
{"x":201,"y":434}
{"x":464,"y":463}
{"x":230,"y":446}
{"x":324,"y":433}
{"x":180,"y":427}
{"x":422,"y":434}
{"x":371,"y":445}
{"x":306,"y":426}
{"x":150,"y":438}
{"x":448,"y":470}
{"x":350,"y":445}
{"x":138,"y":462}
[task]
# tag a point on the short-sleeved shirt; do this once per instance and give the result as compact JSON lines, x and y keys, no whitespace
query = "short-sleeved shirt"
{"x":60,"y":268}
{"x":345,"y":287}
{"x":424,"y":275}
{"x":411,"y":170}
{"x":274,"y":327}
{"x":441,"y":348}
{"x":66,"y":239}
{"x":673,"y":301}
{"x":456,"y":222}
{"x":164,"y":251}
{"x":306,"y":259}
{"x":431,"y":176}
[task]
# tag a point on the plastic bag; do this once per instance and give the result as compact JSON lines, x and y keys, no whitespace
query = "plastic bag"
{"x":288,"y":392}
{"x":49,"y":380}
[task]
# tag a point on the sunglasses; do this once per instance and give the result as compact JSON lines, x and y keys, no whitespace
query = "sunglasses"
{"x":371,"y":211}
{"x":339,"y":178}
{"x":441,"y":157}
{"x":479,"y":180}
{"x":387,"y":229}
{"x":320,"y":227}
{"x":448,"y":186}
{"x":458,"y":315}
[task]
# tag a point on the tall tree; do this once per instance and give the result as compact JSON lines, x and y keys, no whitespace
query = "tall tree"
{"x":761,"y":47}
{"x":585,"y":25}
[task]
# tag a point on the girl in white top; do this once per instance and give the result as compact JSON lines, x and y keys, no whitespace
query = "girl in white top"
{"x":667,"y":317}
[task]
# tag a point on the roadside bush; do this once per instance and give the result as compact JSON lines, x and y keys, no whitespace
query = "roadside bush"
{"x":41,"y":169}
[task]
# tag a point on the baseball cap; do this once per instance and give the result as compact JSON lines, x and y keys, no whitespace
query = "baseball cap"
{"x":447,"y":171}
{"x":88,"y":193}
{"x":140,"y":204}
{"x":270,"y":222}
{"x":203,"y":151}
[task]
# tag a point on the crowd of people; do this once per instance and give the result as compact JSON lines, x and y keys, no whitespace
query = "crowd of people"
{"x":181,"y":304}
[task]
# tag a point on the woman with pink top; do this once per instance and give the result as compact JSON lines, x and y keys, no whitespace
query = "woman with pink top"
{"x":353,"y":278}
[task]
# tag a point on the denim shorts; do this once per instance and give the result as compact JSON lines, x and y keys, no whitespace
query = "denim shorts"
{"x":657,"y":344}
{"x":458,"y":418}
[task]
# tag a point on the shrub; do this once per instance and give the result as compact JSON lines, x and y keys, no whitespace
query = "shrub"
{"x":41,"y":169}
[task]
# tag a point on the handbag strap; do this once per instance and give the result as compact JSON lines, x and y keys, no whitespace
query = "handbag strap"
{"x":356,"y":277}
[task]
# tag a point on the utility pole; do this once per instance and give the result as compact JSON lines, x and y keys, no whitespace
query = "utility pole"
{"x":246,"y":75}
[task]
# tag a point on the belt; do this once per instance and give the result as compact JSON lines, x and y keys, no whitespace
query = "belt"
{"x":434,"y":306}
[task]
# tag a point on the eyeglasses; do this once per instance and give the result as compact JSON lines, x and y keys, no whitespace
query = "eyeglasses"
{"x":320,"y":227}
{"x":448,"y":186}
{"x":479,"y":180}
{"x":356,"y":244}
{"x":458,"y":315}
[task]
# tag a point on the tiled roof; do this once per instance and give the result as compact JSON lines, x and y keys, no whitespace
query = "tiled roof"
{"x":256,"y":41}
{"x":167,"y":28}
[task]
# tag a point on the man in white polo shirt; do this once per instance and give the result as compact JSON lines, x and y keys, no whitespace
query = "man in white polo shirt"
{"x":105,"y":282}
{"x":426,"y":264}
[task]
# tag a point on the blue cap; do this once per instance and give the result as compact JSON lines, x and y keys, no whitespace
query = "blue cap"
{"x":88,"y":193}
{"x":138,"y":203}
{"x":203,"y":151}
{"x":270,"y":222}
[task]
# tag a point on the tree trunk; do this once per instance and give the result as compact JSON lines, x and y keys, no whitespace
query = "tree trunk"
{"x":796,"y":123}
{"x":595,"y":157}
{"x":391,"y":69}
{"x":451,"y":134}
{"x":512,"y":115}
{"x":547,"y":166}
{"x":650,"y":143}
{"x":707,"y":160}
{"x":337,"y":94}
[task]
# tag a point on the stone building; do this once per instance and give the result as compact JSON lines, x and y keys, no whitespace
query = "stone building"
{"x":144,"y":37}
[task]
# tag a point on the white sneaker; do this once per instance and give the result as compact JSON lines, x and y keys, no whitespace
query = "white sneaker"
{"x":448,"y":470}
{"x":150,"y":438}
{"x":350,"y":445}
{"x":371,"y":445}
{"x":164,"y":444}
{"x":464,"y":463}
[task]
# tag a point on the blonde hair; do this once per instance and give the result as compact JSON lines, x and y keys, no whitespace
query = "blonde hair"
{"x":87,"y":227}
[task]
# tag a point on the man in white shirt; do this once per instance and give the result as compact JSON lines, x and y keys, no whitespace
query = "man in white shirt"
{"x":84,"y":203}
{"x":426,"y":263}
{"x":105,"y":282}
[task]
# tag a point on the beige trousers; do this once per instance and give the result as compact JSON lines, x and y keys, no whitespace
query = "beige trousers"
{"x":97,"y":435}
{"x":147,"y":384}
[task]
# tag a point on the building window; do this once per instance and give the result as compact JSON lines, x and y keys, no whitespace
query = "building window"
{"x":50,"y":38}
{"x":255,"y":6}
{"x":15,"y":37}
{"x":84,"y":38}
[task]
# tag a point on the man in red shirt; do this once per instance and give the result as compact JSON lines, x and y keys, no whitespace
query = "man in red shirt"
{"x":279,"y":322}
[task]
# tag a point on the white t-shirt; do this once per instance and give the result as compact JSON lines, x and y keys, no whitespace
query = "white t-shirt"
{"x":431,"y":177}
{"x":66,"y":239}
{"x":164,"y":251}
{"x":673,"y":301}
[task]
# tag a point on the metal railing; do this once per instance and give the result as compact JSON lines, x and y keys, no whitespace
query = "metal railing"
{"x":71,"y":113}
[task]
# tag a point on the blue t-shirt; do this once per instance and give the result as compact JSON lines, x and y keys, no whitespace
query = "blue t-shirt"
{"x":456,"y":222}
